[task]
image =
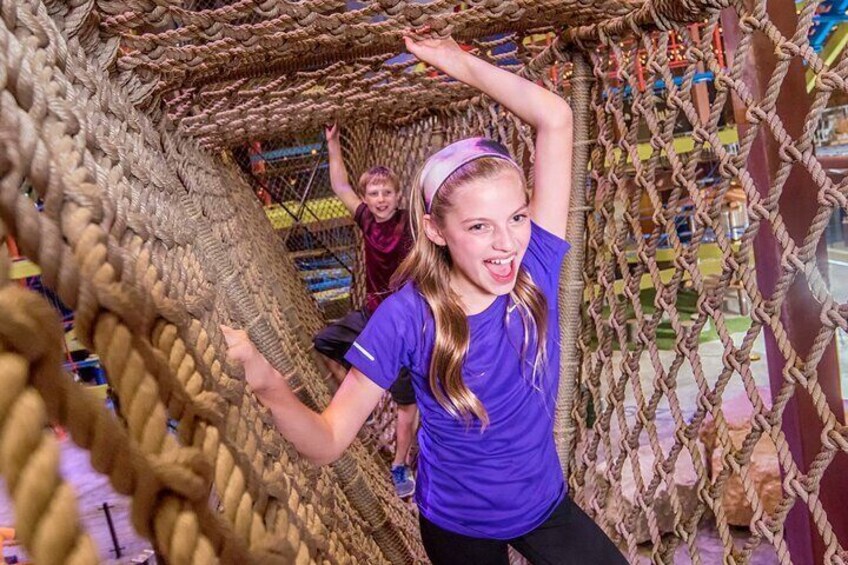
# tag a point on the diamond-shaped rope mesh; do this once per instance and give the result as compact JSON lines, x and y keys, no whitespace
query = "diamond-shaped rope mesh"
{"x":658,"y":458}
{"x":291,"y":176}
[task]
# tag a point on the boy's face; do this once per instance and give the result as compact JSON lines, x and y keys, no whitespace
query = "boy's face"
{"x":382,"y":199}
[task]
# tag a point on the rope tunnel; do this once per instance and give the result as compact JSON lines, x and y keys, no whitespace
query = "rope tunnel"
{"x":134,"y":139}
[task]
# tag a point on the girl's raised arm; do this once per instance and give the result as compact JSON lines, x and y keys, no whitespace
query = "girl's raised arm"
{"x":545,"y":111}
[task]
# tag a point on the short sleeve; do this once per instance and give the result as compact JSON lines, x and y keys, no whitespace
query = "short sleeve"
{"x":544,"y":257}
{"x":387,"y":342}
{"x":362,"y":215}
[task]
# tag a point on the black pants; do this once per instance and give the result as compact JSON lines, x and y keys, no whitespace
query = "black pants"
{"x":568,"y":537}
{"x":334,"y":341}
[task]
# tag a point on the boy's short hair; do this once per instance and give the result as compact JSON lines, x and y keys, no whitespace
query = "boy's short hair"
{"x":377,"y":175}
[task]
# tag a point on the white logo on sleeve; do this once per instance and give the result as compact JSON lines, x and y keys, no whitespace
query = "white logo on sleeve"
{"x":363,"y":351}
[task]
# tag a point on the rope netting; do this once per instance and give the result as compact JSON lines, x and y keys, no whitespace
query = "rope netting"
{"x":300,"y":62}
{"x":130,"y":120}
{"x":291,"y":176}
{"x":640,"y":410}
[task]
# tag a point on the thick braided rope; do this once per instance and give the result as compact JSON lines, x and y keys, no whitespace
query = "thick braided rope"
{"x":281,"y":340}
{"x":205,"y":45}
{"x":48,"y":525}
{"x":571,"y":287}
{"x":375,"y":86}
{"x":325,"y":39}
{"x":86,"y":311}
{"x":29,"y":458}
{"x":194,"y":158}
{"x":271,"y":339}
{"x":45,"y":506}
{"x":70,"y":302}
{"x":164,"y":488}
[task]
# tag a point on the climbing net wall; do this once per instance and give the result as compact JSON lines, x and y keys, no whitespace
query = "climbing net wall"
{"x":291,"y":177}
{"x":124,"y":118}
{"x":638,"y":429}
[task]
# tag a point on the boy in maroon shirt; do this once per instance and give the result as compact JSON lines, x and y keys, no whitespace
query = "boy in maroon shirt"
{"x":388,"y":239}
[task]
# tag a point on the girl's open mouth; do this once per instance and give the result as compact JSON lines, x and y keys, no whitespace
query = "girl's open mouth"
{"x":501,"y":269}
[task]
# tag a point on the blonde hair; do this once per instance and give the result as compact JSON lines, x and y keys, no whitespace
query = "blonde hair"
{"x":377,"y":175}
{"x":428,"y":266}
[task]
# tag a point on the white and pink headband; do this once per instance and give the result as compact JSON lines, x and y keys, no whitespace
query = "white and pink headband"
{"x":441,"y":165}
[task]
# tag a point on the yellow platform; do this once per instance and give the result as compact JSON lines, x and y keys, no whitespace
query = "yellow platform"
{"x":23,"y":268}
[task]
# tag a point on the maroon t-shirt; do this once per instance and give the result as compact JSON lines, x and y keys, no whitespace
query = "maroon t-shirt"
{"x":386,"y":245}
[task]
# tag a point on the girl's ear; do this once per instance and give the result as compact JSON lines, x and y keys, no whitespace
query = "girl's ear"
{"x":432,"y":231}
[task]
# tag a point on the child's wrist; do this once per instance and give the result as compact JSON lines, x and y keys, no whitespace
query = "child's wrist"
{"x":272,"y":391}
{"x":458,"y":64}
{"x":275,"y":392}
{"x":255,"y":364}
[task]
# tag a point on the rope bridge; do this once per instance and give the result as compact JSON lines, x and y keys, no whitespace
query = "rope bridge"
{"x":125,"y":119}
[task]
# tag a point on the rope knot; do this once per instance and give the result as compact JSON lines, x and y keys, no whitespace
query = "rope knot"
{"x":788,"y":153}
{"x":748,"y":24}
{"x":829,"y":81}
{"x":831,"y":196}
{"x":695,"y":55}
{"x":836,"y":438}
{"x":832,"y":318}
{"x":184,"y":471}
{"x":785,"y":50}
{"x":755,"y":115}
{"x":671,"y":13}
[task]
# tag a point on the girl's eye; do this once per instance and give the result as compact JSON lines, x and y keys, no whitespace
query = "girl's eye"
{"x":476,"y":227}
{"x":518,"y":218}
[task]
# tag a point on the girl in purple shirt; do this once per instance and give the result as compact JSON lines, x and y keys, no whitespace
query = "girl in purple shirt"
{"x":475,"y":323}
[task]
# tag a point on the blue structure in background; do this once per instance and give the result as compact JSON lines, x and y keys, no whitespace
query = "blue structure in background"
{"x":826,"y":22}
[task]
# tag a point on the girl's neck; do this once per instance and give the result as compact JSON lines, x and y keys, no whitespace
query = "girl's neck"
{"x":472,"y":298}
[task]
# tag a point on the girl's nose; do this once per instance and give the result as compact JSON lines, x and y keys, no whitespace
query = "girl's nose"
{"x":502,"y":241}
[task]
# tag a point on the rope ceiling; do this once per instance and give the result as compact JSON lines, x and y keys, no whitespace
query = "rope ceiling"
{"x":251,"y":69}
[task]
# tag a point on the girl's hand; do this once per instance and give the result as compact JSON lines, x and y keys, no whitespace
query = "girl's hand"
{"x":240,"y":350}
{"x":257,"y":371}
{"x":444,"y":54}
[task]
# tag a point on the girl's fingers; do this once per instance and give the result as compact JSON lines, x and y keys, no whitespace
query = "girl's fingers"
{"x":233,"y":337}
{"x":417,"y":35}
{"x":422,"y":32}
{"x":240,"y":353}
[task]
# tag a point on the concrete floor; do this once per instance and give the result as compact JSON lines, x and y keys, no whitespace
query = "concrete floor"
{"x":709,"y":544}
{"x":93,"y":489}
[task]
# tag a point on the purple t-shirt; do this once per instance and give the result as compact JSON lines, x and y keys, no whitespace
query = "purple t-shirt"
{"x":386,"y":245}
{"x":506,"y":481}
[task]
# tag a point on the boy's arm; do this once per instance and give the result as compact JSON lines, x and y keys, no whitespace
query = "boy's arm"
{"x":545,"y":111}
{"x":338,"y":173}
